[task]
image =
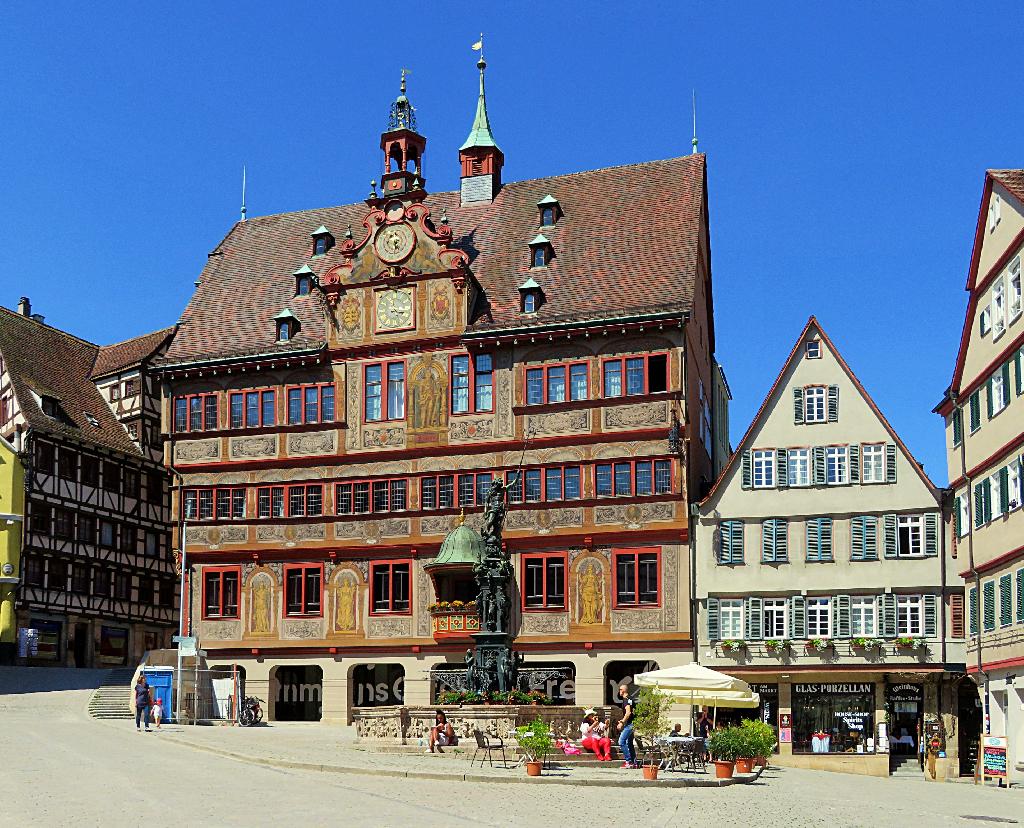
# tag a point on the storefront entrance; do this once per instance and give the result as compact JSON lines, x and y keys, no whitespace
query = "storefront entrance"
{"x":904,"y":703}
{"x":834,"y":718}
{"x":299,"y":693}
{"x":969,"y":721}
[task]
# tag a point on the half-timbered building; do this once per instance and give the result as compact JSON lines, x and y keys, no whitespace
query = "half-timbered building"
{"x":347,"y":381}
{"x":97,"y":580}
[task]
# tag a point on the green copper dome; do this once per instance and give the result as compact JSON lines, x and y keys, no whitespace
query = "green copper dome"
{"x":462,"y":546}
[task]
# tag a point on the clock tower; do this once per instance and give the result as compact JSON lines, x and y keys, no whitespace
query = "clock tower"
{"x":403,"y":150}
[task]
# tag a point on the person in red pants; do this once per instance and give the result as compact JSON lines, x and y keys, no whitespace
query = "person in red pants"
{"x":592,"y":730}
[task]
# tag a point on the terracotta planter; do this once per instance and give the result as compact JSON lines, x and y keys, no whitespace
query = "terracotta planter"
{"x":723,"y":770}
{"x":533,"y":768}
{"x":744,"y":764}
{"x":760,"y":761}
{"x":651,"y":772}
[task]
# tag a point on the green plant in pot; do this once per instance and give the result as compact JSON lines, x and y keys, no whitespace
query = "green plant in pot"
{"x":535,"y":741}
{"x":725,"y":746}
{"x":759,"y":740}
{"x":650,"y":720}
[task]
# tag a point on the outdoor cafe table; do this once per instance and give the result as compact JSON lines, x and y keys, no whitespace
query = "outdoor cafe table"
{"x":675,"y":746}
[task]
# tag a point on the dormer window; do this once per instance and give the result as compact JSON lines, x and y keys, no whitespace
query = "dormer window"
{"x":50,"y":406}
{"x":303,"y":281}
{"x":540,"y":252}
{"x":531,"y":296}
{"x":287,"y":325}
{"x":549,"y":211}
{"x":322,"y":240}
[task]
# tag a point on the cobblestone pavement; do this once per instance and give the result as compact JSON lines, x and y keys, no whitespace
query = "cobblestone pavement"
{"x":63,"y":768}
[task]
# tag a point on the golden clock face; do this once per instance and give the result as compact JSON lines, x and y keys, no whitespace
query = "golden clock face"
{"x":394,"y":309}
{"x":394,"y":243}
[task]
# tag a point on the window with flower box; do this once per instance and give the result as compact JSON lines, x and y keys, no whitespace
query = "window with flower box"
{"x":305,"y":501}
{"x":637,"y":577}
{"x":565,"y":382}
{"x":629,"y":477}
{"x":391,"y":587}
{"x":195,"y":412}
{"x":633,"y":376}
{"x":363,"y":496}
{"x":311,"y":404}
{"x":220,"y":591}
{"x":544,"y":581}
{"x":252,"y":409}
{"x":302,"y":589}
{"x":472,"y":384}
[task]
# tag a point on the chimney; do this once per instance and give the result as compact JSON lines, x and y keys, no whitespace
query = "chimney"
{"x":24,"y":306}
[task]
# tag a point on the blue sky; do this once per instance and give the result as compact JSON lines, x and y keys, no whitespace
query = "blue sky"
{"x":846,"y":147}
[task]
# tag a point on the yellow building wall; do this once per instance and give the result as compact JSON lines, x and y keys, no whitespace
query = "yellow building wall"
{"x":12,"y":511}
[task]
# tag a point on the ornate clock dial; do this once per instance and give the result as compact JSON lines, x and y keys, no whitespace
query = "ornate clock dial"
{"x":394,"y":243}
{"x":394,"y":309}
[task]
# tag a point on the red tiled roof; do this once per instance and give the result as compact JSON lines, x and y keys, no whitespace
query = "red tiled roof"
{"x":1013,"y":180}
{"x":627,"y":242}
{"x":120,"y":356}
{"x":44,"y":361}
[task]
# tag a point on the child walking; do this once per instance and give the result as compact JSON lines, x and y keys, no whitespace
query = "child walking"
{"x":157,"y":711}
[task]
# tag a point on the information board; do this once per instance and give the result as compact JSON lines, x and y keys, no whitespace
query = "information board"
{"x":993,"y":757}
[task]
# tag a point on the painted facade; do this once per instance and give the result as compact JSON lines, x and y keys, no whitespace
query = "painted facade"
{"x":984,"y":417}
{"x":822,"y":576}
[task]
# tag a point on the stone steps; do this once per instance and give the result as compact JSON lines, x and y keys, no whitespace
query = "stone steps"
{"x":112,"y":700}
{"x":905,"y":767}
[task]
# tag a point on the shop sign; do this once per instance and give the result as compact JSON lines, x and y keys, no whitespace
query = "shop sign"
{"x":771,"y":690}
{"x":993,"y":760}
{"x":853,"y":720}
{"x":834,"y":689}
{"x":905,"y":692}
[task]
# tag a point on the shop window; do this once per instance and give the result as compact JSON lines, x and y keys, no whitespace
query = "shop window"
{"x":557,"y":383}
{"x":311,"y":404}
{"x":302,"y":589}
{"x":196,"y":412}
{"x":833,"y":718}
{"x":472,"y":384}
{"x":391,"y":587}
{"x":544,"y":581}
{"x":220,"y":592}
{"x":252,"y":409}
{"x":636,"y":578}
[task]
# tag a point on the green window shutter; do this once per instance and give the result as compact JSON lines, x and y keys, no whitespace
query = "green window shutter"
{"x":1018,"y":361}
{"x":781,"y":540}
{"x":931,"y":616}
{"x":855,"y":463}
{"x":986,"y":495}
{"x":813,"y":540}
{"x":753,"y":625}
{"x":768,"y":541}
{"x":989,"y":402}
{"x":782,"y":468}
{"x":1020,"y":596}
{"x":818,"y":456}
{"x":988,"y":609}
{"x":956,"y":517}
{"x":889,"y":524}
{"x":746,"y":479}
{"x":857,"y":538}
{"x":870,"y":538}
{"x":973,"y":599}
{"x":931,"y":534}
{"x":1004,"y":490}
{"x":887,"y":615}
{"x":797,"y":617}
{"x":958,"y":426}
{"x":841,"y":616}
{"x":1006,"y":383}
{"x":725,"y":542}
{"x":1005,"y":600}
{"x":975,"y":404}
{"x":826,"y":538}
{"x":833,"y":403}
{"x":798,"y":405}
{"x":737,"y":541}
{"x":714,"y":626}
{"x":979,"y":505}
{"x":890,"y":462}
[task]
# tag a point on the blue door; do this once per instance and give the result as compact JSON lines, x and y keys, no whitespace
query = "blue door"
{"x":161,"y":682}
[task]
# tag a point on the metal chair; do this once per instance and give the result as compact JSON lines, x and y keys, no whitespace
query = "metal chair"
{"x":488,"y":744}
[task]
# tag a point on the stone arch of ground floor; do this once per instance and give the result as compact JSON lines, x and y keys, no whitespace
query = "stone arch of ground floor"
{"x":298,"y":693}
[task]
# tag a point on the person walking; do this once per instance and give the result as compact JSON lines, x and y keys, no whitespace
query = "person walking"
{"x":143,"y":701}
{"x":626,"y":726}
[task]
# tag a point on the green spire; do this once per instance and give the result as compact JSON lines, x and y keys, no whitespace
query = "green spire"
{"x":480,"y":135}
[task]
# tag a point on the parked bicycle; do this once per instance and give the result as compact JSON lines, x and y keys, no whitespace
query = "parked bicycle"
{"x":251,"y":712}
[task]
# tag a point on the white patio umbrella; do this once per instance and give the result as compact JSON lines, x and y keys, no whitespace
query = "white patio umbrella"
{"x":699,"y":685}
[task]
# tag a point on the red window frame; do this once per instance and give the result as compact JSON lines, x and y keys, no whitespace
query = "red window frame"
{"x":304,"y":569}
{"x":632,"y":463}
{"x":635,"y":553}
{"x":647,"y":374}
{"x":375,"y":566}
{"x":270,"y":500}
{"x":221,"y":571}
{"x":307,"y":489}
{"x":215,"y":496}
{"x":350,"y":485}
{"x":544,"y":557}
{"x":437,"y":491}
{"x":260,"y":393}
{"x":385,"y":408}
{"x":320,"y":386}
{"x":471,"y":389}
{"x":545,"y":369}
{"x":203,"y":412}
{"x":509,"y":475}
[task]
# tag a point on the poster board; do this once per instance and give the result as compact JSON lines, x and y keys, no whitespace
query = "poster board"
{"x":993,"y":757}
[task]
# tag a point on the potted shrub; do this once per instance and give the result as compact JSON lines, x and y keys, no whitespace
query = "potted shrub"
{"x":733,"y":645}
{"x":723,"y":745}
{"x":760,"y":740}
{"x":650,"y":720}
{"x":535,"y":741}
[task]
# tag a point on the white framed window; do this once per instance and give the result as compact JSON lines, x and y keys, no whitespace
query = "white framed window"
{"x":836,"y":467}
{"x":872,"y":463}
{"x":862,"y":615}
{"x":996,"y":494}
{"x":985,"y":320}
{"x":997,"y":390}
{"x":965,"y":518}
{"x":799,"y":461}
{"x":730,"y":614}
{"x":764,"y":468}
{"x":815,"y":409}
{"x":814,"y":349}
{"x":995,"y":212}
{"x":1015,"y":295}
{"x":1015,"y":484}
{"x":819,"y":617}
{"x":998,"y":309}
{"x":909,"y":614}
{"x":774,"y":612}
{"x":910,"y":536}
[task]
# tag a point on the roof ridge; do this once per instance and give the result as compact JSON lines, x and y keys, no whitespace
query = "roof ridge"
{"x":140,"y":336}
{"x":57,"y":330}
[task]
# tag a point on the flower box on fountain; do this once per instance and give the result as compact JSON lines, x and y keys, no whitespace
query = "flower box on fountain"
{"x":453,"y":619}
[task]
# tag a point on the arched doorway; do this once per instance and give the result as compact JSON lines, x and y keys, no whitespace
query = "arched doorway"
{"x":623,"y":672}
{"x":377,"y":685}
{"x":299,"y":693}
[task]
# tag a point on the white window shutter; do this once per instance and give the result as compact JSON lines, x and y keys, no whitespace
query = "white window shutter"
{"x":833,"y":403}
